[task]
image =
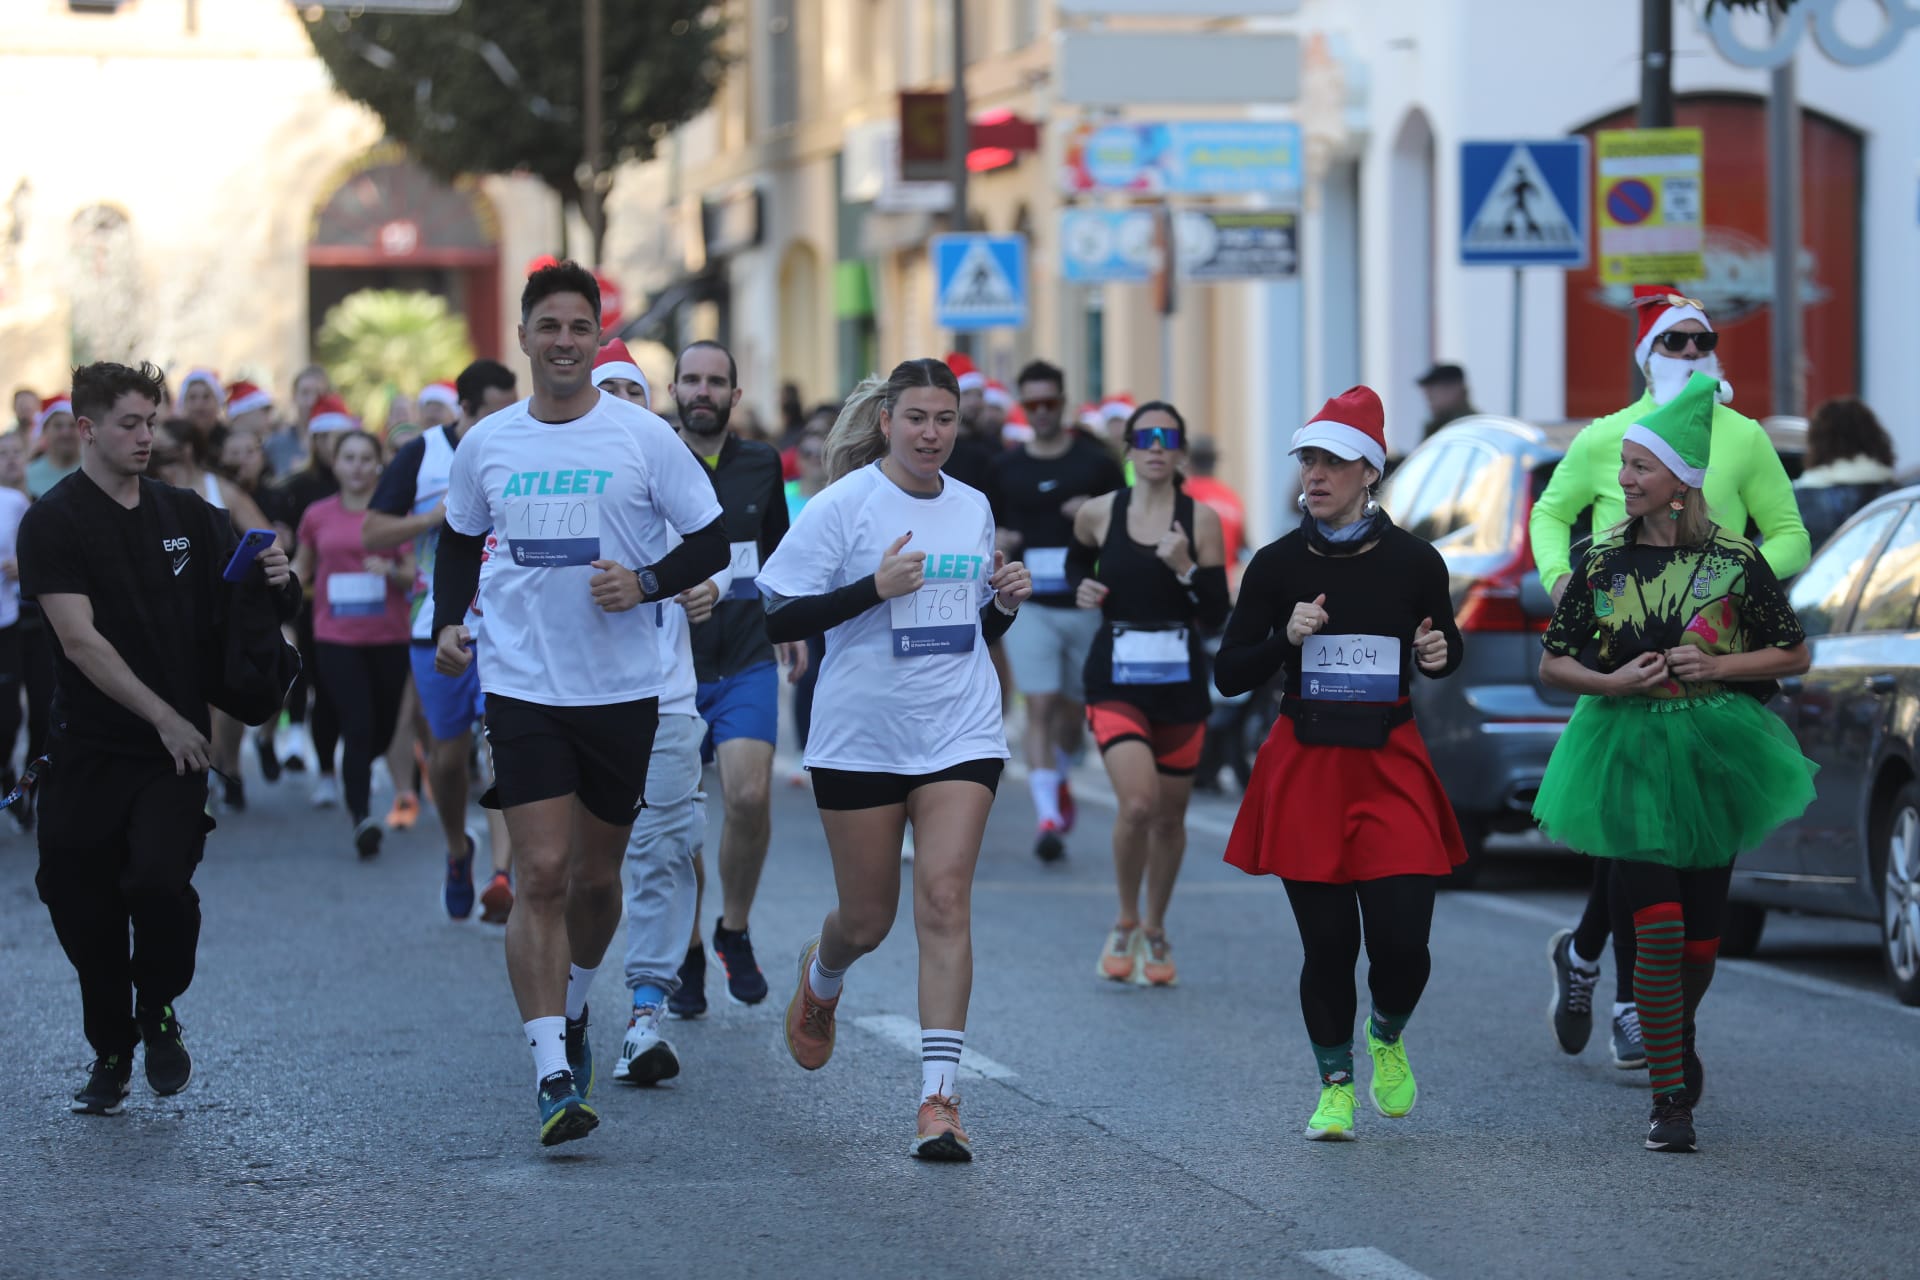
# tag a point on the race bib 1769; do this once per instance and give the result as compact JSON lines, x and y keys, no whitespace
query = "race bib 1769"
{"x":942,"y":616}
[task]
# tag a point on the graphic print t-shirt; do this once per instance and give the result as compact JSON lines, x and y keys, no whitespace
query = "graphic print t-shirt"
{"x":556,"y":496}
{"x":877,"y":708}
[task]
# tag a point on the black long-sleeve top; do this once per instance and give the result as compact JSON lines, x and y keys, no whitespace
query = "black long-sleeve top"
{"x":1385,"y":591}
{"x":791,"y":618}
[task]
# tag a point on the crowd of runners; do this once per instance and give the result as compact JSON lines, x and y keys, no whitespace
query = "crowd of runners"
{"x":609,"y":580}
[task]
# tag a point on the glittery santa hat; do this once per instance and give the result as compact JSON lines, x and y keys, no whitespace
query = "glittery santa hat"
{"x":330,"y":414}
{"x":970,"y":378}
{"x":615,"y":361}
{"x":1351,"y":425}
{"x":440,"y":393}
{"x":244,"y":397}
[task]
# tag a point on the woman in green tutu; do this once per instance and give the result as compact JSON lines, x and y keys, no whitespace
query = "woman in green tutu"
{"x":1670,"y":764}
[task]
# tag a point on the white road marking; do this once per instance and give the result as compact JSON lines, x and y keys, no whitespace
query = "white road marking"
{"x":905,"y":1032}
{"x":1362,"y":1264}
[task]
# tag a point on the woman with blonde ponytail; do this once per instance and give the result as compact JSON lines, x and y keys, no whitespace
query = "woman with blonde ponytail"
{"x":895,"y":562}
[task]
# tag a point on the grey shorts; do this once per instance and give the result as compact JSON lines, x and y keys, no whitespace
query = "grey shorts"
{"x":1047,"y":648}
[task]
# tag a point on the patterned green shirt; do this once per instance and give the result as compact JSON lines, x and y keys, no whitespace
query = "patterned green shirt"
{"x":1636,"y":598}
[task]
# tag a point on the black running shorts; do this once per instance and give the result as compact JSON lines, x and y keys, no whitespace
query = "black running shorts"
{"x":851,"y":789}
{"x":599,"y":754}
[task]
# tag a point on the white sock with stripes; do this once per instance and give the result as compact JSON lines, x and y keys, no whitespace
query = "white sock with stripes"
{"x":940,"y":1062}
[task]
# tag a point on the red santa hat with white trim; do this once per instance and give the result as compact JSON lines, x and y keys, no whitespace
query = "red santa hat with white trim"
{"x":1088,"y":415}
{"x":205,"y":375}
{"x":999,"y":396}
{"x":1118,"y":405}
{"x":244,"y":397}
{"x":330,"y":414}
{"x":441,"y":393}
{"x":1351,"y":425}
{"x":615,"y":361}
{"x":969,"y":377}
{"x":1661,"y":306}
{"x":54,"y":405}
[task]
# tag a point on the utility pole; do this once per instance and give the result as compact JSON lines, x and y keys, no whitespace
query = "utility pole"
{"x":1656,"y":65}
{"x":1783,"y":229}
{"x":958,"y":136}
{"x":591,"y":76}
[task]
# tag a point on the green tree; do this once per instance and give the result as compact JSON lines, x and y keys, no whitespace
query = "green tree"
{"x":496,"y":85}
{"x":379,"y":341}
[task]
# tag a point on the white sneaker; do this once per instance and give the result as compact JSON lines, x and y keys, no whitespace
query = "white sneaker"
{"x":326,"y":792}
{"x":380,"y":781}
{"x":295,"y":743}
{"x":645,"y":1057}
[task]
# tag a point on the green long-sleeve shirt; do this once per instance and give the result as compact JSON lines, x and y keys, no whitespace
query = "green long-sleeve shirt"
{"x":1744,"y":477}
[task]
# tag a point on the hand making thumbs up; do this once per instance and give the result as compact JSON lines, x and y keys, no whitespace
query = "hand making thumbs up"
{"x":1429,"y":647}
{"x":1308,"y":619}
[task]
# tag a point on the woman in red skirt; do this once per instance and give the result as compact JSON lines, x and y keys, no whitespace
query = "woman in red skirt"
{"x":1344,"y":805}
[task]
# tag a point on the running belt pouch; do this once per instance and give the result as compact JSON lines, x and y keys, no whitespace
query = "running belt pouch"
{"x":1334,"y":725}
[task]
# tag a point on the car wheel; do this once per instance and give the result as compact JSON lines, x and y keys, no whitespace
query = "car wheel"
{"x":1473,"y":834}
{"x":1900,"y":895}
{"x":1740,"y":936}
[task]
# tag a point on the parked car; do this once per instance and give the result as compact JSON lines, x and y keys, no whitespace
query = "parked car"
{"x":1470,"y":490}
{"x":1856,"y":713}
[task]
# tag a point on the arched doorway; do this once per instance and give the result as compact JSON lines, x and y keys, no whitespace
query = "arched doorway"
{"x":1410,"y":305}
{"x":385,"y":223}
{"x":802,"y":325}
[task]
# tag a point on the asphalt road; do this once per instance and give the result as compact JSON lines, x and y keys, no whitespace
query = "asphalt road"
{"x":362,"y":1103}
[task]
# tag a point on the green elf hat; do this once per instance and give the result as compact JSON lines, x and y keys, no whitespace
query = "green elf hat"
{"x":1680,"y":431}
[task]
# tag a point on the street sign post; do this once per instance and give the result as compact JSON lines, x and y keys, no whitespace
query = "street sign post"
{"x":1650,"y":206}
{"x":980,"y":282}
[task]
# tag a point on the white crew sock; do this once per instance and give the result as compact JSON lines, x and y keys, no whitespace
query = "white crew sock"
{"x":825,"y":983}
{"x":1045,"y":786}
{"x":1621,"y":1006}
{"x":548,"y":1038}
{"x":578,"y":980}
{"x":1581,"y":963}
{"x":940,"y":1062}
{"x":1062,"y":760}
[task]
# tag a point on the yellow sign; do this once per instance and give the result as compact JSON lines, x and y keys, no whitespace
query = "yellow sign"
{"x":1649,"y":203}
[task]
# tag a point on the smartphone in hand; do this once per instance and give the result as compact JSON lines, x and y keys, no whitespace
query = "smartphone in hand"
{"x":252,"y":543}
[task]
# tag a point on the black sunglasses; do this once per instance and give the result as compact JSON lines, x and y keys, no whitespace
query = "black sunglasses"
{"x":1043,"y":404}
{"x":1168,"y":438}
{"x":1676,"y":342}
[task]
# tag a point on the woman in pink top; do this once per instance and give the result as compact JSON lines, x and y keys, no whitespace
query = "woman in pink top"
{"x":360,"y":625}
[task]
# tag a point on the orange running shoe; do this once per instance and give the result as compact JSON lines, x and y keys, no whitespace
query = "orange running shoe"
{"x":405,"y":811}
{"x":496,"y":900}
{"x":809,"y":1018}
{"x":940,"y":1136}
{"x":1156,"y":961}
{"x":1120,"y":957}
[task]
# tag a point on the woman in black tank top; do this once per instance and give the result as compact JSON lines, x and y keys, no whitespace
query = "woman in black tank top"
{"x":1153,"y":562}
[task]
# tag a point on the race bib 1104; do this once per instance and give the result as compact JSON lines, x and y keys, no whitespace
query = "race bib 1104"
{"x":546,"y":533}
{"x":1350,"y":668}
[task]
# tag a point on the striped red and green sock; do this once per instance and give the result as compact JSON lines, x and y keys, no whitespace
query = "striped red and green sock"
{"x":1659,"y":935}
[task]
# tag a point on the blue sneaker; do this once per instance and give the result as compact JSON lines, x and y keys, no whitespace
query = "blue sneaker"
{"x":457,"y":893}
{"x":564,"y":1114}
{"x":580,"y":1054}
{"x":690,"y":1000}
{"x":745,"y":983}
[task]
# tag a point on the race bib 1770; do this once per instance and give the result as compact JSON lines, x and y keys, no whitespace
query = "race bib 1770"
{"x":546,"y":533}
{"x":1350,"y":668}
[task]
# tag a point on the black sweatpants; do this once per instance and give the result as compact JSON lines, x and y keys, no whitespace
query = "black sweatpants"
{"x":37,"y":670}
{"x":1397,"y":912}
{"x":1608,"y":912}
{"x":364,"y":683}
{"x":120,"y":837}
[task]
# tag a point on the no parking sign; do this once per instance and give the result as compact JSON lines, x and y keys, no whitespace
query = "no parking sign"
{"x":1650,"y":206}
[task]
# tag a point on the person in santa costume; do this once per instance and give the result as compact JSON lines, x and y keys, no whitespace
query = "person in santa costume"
{"x":438,"y":405}
{"x":1344,"y":805}
{"x":1668,"y":767}
{"x":1676,"y":340}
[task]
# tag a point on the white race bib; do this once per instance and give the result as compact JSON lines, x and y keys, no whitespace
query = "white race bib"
{"x":356,"y":595}
{"x":545,"y":533}
{"x":746,"y":567}
{"x":938,"y":618}
{"x":1350,"y":668}
{"x":1048,"y":568}
{"x":1151,"y":657}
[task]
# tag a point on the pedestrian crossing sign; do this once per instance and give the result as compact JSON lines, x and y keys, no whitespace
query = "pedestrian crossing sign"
{"x":980,"y":282}
{"x":1524,"y":204}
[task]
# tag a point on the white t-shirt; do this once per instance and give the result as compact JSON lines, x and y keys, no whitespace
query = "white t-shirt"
{"x":908,"y":686}
{"x":13,"y":509}
{"x":551,"y":498}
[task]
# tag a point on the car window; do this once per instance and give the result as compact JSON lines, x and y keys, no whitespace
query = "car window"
{"x":1402,"y":489}
{"x":1429,"y":513}
{"x":1824,"y":586}
{"x":1481,"y":520}
{"x":1886,"y":602}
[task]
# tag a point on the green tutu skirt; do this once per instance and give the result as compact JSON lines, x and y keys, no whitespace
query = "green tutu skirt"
{"x":1688,"y":783}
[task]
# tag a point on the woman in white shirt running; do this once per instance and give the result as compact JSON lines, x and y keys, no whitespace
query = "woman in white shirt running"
{"x":895,"y":562}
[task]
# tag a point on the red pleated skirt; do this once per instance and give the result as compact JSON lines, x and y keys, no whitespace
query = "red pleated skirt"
{"x":1339,"y":814}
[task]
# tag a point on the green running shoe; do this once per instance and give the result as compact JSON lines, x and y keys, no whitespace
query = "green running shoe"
{"x":1392,"y":1085}
{"x":564,"y":1114}
{"x":1333,"y":1118}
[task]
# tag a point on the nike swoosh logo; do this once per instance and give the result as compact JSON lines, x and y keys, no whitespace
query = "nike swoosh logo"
{"x":1048,"y":486}
{"x":180,"y":562}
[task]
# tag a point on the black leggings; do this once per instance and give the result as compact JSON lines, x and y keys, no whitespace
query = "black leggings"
{"x":1398,"y":913}
{"x":1608,"y":912}
{"x":364,"y":683}
{"x":1702,"y":896}
{"x":325,"y":726}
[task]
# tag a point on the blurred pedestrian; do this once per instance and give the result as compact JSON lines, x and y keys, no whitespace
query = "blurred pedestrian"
{"x":202,"y":399}
{"x":1344,"y":804}
{"x":1203,"y":458}
{"x":1849,"y":463}
{"x":14,"y":502}
{"x":438,"y":406}
{"x":26,"y":407}
{"x":286,"y":444}
{"x":1445,"y":386}
{"x":56,"y":445}
{"x":250,"y":409}
{"x":307,"y":707}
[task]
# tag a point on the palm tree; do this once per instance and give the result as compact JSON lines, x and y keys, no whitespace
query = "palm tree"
{"x":379,"y":341}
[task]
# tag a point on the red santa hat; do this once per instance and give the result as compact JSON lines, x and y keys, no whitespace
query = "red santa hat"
{"x":1087,"y":415}
{"x":971,"y":379}
{"x":1118,"y":405}
{"x":244,"y":397}
{"x":54,"y":405}
{"x":330,"y":414}
{"x":1351,"y":425}
{"x":998,"y":395}
{"x":1661,"y":307}
{"x":615,"y":361}
{"x":440,"y":393}
{"x":205,"y":375}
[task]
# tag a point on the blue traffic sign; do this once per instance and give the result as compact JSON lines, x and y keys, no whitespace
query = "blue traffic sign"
{"x":1524,"y":204}
{"x":980,"y":281}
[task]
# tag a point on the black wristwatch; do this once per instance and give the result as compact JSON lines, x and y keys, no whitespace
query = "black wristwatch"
{"x":649,"y":584}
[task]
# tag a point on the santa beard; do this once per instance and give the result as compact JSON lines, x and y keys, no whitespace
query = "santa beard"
{"x":1667,"y":376}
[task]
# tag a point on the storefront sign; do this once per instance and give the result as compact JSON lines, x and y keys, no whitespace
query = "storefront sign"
{"x":1220,"y":245}
{"x":1185,"y":157}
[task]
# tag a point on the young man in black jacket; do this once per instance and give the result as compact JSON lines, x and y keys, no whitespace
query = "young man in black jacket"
{"x":129,"y":573}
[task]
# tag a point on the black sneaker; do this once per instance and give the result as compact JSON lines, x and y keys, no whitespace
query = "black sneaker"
{"x":745,"y":983}
{"x":106,"y":1086}
{"x":1572,"y":1006}
{"x":269,"y":758}
{"x":1671,"y":1128}
{"x":1049,"y":847}
{"x":234,"y":795}
{"x":169,"y":1066}
{"x":1629,"y":1051}
{"x":690,"y":1001}
{"x":366,"y":837}
{"x":1690,"y":1068}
